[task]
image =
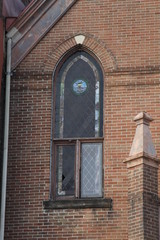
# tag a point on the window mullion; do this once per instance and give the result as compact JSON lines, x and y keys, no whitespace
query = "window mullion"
{"x":77,"y":187}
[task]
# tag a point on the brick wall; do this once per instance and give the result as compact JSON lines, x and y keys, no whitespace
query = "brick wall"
{"x":150,"y":203}
{"x":135,"y":196}
{"x":124,"y":36}
{"x":143,"y":202}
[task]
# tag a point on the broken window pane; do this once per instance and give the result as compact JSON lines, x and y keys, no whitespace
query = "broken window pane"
{"x":65,"y":170}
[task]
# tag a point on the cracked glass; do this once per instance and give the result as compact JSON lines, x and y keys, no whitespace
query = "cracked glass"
{"x":65,"y":170}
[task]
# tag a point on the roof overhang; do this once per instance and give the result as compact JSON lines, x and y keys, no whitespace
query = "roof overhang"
{"x":33,"y":24}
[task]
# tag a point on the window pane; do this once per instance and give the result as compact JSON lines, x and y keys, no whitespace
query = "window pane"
{"x":65,"y":170}
{"x":91,"y":170}
{"x":79,"y":96}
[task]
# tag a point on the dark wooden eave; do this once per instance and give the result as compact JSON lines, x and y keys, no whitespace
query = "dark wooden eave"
{"x":33,"y":24}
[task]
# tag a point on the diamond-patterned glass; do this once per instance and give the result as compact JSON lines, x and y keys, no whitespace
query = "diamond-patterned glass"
{"x":91,"y":170}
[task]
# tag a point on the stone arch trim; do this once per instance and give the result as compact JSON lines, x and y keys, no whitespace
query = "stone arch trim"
{"x":91,"y":43}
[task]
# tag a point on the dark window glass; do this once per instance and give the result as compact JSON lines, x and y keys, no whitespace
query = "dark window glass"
{"x":79,"y":98}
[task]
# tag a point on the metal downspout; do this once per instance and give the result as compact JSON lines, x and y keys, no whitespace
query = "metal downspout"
{"x":6,"y":136}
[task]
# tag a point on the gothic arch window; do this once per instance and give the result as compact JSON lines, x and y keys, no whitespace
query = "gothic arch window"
{"x":78,"y":128}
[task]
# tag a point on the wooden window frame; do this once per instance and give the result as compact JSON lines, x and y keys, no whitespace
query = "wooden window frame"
{"x":69,"y":142}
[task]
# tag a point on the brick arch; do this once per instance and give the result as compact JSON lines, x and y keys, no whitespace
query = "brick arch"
{"x":91,"y":43}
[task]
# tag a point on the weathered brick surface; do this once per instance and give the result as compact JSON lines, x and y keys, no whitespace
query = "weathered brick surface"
{"x":151,"y":213}
{"x":124,"y":35}
{"x":143,"y":203}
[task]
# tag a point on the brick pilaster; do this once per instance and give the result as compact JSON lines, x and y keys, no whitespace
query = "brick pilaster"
{"x":142,"y":167}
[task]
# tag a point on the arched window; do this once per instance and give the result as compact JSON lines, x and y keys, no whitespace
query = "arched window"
{"x":78,"y":128}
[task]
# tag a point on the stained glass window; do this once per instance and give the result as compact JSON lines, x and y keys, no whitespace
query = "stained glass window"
{"x":78,"y":127}
{"x":79,"y":98}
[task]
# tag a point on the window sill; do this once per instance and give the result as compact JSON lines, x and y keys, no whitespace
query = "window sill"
{"x":78,"y":203}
